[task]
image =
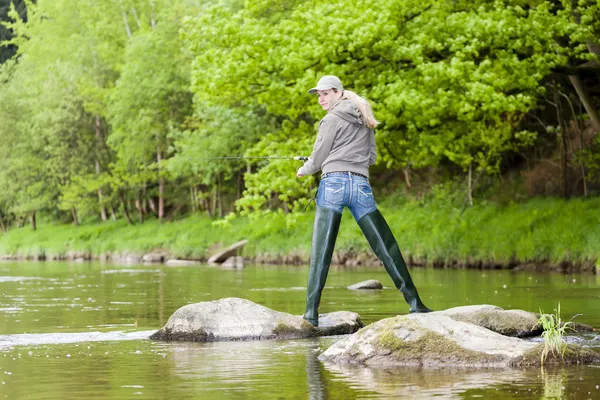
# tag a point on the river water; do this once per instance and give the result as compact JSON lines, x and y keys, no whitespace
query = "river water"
{"x":78,"y":331}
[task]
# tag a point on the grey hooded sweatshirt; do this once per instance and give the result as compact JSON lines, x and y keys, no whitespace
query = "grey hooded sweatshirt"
{"x":344,"y":143}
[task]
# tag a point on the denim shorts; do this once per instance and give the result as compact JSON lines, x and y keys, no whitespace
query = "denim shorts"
{"x":342,"y":189}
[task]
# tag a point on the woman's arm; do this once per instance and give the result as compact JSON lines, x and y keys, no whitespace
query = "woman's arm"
{"x":322,"y":146}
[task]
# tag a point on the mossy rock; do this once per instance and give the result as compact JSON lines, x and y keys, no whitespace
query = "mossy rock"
{"x":427,"y":340}
{"x":239,"y":319}
{"x":516,"y":323}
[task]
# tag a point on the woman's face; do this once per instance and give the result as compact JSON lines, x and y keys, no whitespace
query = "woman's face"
{"x":327,"y":98}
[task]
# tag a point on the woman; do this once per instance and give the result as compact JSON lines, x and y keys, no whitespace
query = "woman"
{"x":343,"y":151}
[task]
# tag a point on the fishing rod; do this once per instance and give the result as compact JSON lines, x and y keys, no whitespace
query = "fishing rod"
{"x":297,"y":158}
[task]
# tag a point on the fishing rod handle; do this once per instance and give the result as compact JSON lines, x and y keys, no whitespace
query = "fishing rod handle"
{"x":301,"y":158}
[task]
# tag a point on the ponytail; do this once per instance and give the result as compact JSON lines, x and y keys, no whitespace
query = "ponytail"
{"x":363,"y":106}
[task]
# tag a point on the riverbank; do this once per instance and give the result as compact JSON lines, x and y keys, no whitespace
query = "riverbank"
{"x":540,"y":233}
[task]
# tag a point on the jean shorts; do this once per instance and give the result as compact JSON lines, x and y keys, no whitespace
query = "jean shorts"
{"x":343,"y":189}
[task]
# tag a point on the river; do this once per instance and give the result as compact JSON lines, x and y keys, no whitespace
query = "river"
{"x":78,"y":331}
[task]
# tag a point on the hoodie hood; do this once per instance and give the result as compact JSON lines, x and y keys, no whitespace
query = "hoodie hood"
{"x":346,"y":111}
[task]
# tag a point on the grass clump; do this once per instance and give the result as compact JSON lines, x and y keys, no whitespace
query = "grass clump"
{"x":554,"y":331}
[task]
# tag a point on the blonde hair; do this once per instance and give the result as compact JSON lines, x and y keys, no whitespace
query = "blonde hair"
{"x":363,"y":106}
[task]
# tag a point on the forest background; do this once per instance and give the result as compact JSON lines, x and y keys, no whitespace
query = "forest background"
{"x":111,"y":114}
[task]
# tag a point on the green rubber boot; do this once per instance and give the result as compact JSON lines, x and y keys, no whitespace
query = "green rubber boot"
{"x":383,"y":243}
{"x":327,"y":225}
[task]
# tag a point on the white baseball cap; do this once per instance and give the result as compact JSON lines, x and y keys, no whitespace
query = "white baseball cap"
{"x":327,"y":82}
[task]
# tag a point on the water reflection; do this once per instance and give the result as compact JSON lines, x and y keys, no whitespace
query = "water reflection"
{"x":314,"y":375}
{"x":238,"y":367}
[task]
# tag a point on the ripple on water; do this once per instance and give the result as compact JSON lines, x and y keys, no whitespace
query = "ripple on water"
{"x":63,"y":338}
{"x":129,"y":271}
{"x":19,"y":278}
{"x":290,"y":289}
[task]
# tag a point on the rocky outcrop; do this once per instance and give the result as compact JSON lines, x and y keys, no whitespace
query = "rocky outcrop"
{"x":517,"y":323}
{"x":226,"y":253}
{"x":240,"y":319}
{"x":366,"y":285}
{"x":435,"y":340}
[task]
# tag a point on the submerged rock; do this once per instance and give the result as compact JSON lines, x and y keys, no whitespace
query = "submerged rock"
{"x":234,"y":262}
{"x":516,"y":323}
{"x":369,"y":284}
{"x":240,"y":319}
{"x":435,"y":340}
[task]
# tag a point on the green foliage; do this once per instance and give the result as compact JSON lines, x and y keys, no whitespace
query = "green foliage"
{"x":540,"y":231}
{"x":554,"y":331}
{"x":110,"y":103}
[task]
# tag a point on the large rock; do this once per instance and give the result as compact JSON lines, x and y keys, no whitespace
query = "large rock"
{"x":224,"y":254}
{"x":366,"y":285}
{"x":240,"y":319}
{"x":436,"y":340}
{"x":338,"y":323}
{"x":155,"y":257}
{"x":181,"y":263}
{"x":516,"y":323}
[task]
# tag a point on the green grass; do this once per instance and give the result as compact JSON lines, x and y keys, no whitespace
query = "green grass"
{"x":539,"y":231}
{"x":554,"y":331}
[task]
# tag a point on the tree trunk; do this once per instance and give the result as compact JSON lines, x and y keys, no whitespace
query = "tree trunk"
{"x":100,"y":196}
{"x":138,"y":205}
{"x":153,"y":19}
{"x":193,"y":198}
{"x":97,"y":162}
{"x":2,"y":225}
{"x":213,"y":205}
{"x":470,"y":186}
{"x":161,"y":187}
{"x":219,"y":193}
{"x":33,"y":222}
{"x":127,"y":29}
{"x":562,"y":143}
{"x":586,"y":100}
{"x":152,"y":206}
{"x":74,"y":214}
{"x":406,"y":172}
{"x":144,"y":196}
{"x":135,"y":17}
{"x":581,"y":146}
{"x":113,"y":215}
{"x":125,"y":209}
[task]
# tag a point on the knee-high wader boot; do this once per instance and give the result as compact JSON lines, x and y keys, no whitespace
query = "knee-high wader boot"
{"x":383,"y":243}
{"x":327,"y":224}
